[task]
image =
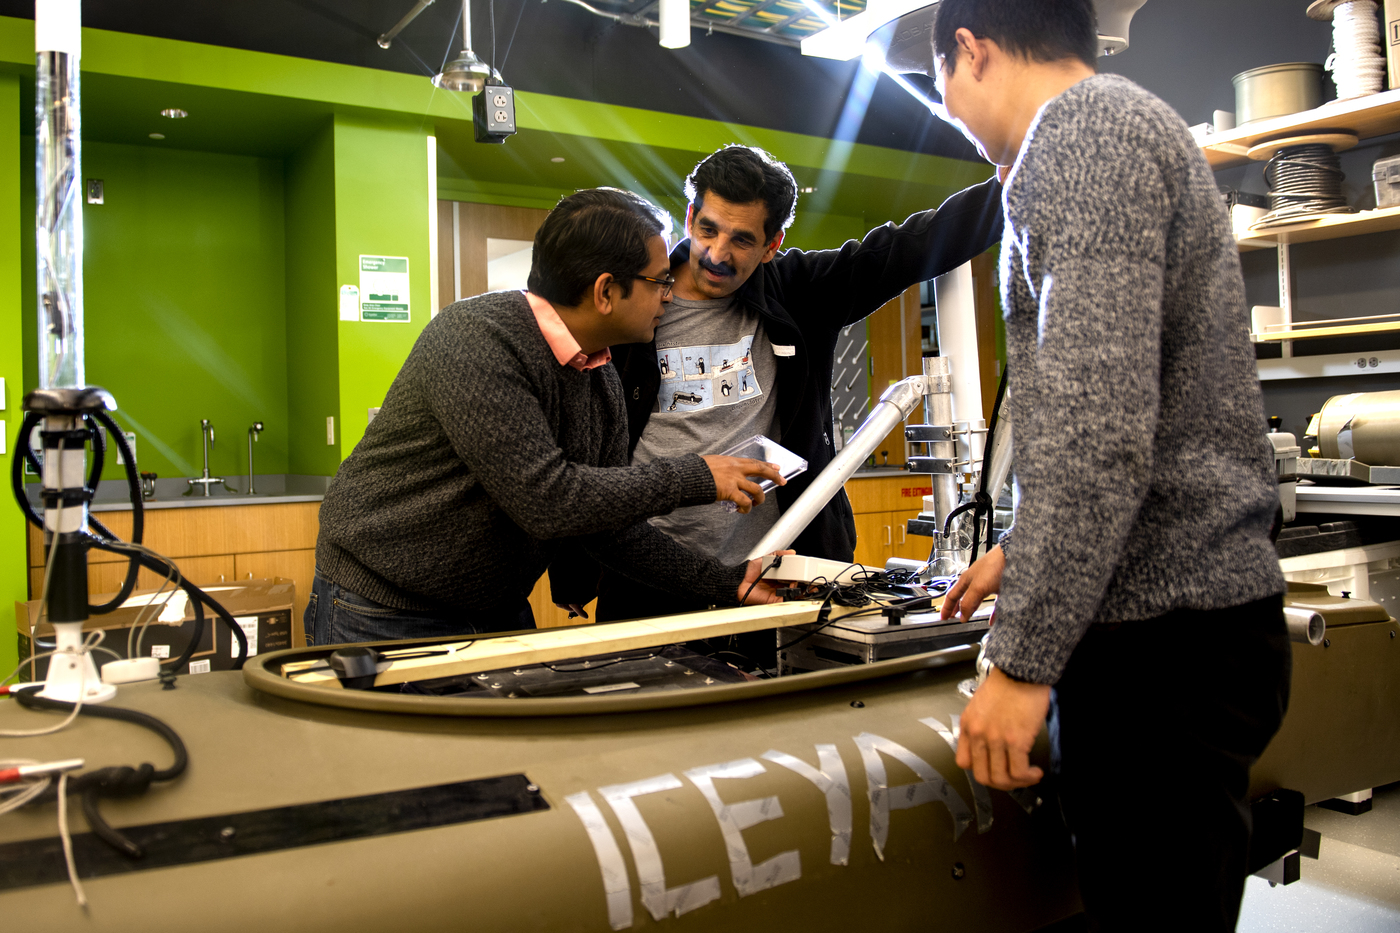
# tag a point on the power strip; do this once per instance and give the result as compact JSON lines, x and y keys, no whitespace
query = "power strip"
{"x":808,"y":569}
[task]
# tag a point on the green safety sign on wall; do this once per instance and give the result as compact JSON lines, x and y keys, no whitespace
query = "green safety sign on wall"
{"x":384,"y":288}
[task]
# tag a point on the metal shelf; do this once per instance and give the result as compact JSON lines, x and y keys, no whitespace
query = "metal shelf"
{"x":1367,"y":117}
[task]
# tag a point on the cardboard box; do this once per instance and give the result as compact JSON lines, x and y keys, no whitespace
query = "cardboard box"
{"x":264,"y":609}
{"x":1390,"y":39}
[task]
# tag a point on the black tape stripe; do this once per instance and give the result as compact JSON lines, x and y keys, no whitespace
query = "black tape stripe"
{"x":184,"y":842}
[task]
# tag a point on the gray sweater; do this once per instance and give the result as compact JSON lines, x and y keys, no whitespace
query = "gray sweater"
{"x":485,"y":456}
{"x":1144,"y":480}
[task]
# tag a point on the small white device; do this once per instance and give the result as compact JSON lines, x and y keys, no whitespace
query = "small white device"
{"x":808,"y":569}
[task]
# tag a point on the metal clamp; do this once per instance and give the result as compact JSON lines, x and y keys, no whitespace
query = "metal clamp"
{"x":928,"y":433}
{"x":935,"y":465}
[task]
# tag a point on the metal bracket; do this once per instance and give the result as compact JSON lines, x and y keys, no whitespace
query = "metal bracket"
{"x":928,"y":433}
{"x":934,"y":465}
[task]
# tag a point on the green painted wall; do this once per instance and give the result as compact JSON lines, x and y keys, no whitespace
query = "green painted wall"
{"x":13,"y":585}
{"x":381,"y":208}
{"x":185,"y":304}
{"x":313,"y":378}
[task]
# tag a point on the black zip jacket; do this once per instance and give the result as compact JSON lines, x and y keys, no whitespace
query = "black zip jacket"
{"x":804,"y":298}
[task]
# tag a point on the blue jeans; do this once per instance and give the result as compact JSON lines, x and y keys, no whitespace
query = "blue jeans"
{"x":336,"y":616}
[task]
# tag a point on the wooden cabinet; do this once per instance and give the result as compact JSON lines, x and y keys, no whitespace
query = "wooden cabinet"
{"x":883,"y":506}
{"x":219,"y":544}
{"x":211,"y":545}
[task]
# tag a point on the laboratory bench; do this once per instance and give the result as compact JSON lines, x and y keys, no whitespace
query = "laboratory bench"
{"x":215,"y":540}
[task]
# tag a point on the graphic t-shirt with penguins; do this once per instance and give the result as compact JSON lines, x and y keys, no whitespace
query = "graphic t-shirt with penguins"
{"x":717,"y":369}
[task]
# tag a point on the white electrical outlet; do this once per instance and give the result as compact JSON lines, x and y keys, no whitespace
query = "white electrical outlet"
{"x":2,"y":393}
{"x":2,"y":438}
{"x":330,"y":430}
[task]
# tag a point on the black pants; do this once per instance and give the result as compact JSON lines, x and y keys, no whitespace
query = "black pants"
{"x":1154,"y":727}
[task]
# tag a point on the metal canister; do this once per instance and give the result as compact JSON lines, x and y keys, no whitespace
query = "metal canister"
{"x":1275,"y":90}
{"x":1364,"y":426}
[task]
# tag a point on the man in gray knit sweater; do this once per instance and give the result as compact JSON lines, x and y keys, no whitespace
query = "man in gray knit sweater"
{"x":1139,"y":580}
{"x":503,"y":435}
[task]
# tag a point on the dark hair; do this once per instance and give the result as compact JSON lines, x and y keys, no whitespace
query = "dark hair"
{"x":1039,"y":30}
{"x":744,"y":174}
{"x":588,"y":233}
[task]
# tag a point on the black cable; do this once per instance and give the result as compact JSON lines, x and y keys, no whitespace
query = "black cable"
{"x":985,"y":494}
{"x":491,"y":5}
{"x":23,"y":453}
{"x":1304,"y":181}
{"x":593,"y":667}
{"x":106,"y":541}
{"x":99,"y":456}
{"x":511,"y":41}
{"x":138,"y":514}
{"x":198,"y":599}
{"x":120,"y":781}
{"x":777,"y":562}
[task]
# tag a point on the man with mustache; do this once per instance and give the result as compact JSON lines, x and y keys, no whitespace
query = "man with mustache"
{"x":430,"y":529}
{"x":738,"y":296}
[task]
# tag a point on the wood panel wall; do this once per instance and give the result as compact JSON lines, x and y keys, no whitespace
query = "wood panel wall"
{"x":893,"y":358}
{"x":468,"y":226}
{"x":212,"y":545}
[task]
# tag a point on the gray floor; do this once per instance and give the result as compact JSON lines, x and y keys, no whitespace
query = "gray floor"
{"x":1354,"y":887}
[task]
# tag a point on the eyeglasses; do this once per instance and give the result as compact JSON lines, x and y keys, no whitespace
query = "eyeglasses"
{"x":666,"y":284}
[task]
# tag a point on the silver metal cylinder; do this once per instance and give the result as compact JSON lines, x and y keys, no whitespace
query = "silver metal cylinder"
{"x":898,"y":402}
{"x":938,"y":409}
{"x":59,"y":216}
{"x":1305,"y":626}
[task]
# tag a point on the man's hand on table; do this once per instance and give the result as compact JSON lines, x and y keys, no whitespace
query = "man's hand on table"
{"x":756,"y":592}
{"x":733,"y":479}
{"x":977,"y":582}
{"x":998,"y":730}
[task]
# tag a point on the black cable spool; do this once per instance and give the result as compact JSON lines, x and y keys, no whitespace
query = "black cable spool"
{"x":1304,"y":181}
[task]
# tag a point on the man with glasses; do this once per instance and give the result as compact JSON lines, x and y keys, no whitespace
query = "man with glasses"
{"x":746,"y":315}
{"x":503,"y":434}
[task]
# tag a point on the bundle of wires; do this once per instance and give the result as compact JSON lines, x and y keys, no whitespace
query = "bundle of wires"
{"x":869,"y":592}
{"x":1304,"y":181}
{"x":138,"y":556}
{"x":1357,"y":63}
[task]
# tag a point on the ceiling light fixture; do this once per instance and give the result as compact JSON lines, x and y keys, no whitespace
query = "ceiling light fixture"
{"x":466,"y":72}
{"x":675,"y":24}
{"x":157,"y":135}
{"x":557,"y":159}
{"x":174,"y":113}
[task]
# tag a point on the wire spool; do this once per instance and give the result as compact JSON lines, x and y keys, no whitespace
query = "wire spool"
{"x":1304,"y":181}
{"x":1357,"y":62}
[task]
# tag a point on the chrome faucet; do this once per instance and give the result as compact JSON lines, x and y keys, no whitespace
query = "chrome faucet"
{"x":206,"y":433}
{"x":252,"y":437}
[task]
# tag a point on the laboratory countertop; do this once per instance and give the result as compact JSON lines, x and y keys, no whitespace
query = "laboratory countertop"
{"x":200,"y":502}
{"x":113,"y":495}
